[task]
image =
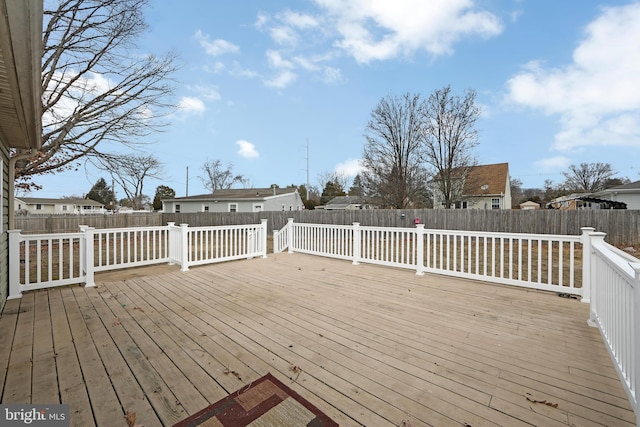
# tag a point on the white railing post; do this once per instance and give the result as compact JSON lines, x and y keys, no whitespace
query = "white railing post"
{"x":14,"y":265}
{"x":586,"y":263}
{"x":263,"y":238}
{"x":356,"y":243}
{"x":171,"y":243}
{"x":89,"y":237}
{"x":635,"y":336}
{"x":290,"y":235}
{"x":420,"y":249}
{"x":184,"y":247}
{"x":594,"y":239}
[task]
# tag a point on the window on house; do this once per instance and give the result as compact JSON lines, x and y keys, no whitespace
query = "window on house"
{"x":233,"y":207}
{"x":461,"y":205}
{"x":38,"y":207}
{"x":177,"y":208}
{"x":495,"y":203}
{"x":65,"y":208}
{"x":205,"y":208}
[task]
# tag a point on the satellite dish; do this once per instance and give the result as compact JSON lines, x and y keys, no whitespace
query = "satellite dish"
{"x":484,"y":187}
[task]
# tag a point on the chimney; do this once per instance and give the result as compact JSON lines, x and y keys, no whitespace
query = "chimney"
{"x":274,"y":189}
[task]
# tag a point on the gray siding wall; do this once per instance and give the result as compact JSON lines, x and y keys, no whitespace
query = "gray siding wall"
{"x":284,"y":202}
{"x":4,"y":240}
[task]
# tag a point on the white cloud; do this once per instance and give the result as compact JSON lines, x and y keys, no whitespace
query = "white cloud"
{"x":368,"y":30}
{"x":276,"y":61}
{"x":238,"y":71}
{"x":379,"y":29}
{"x":89,"y":84}
{"x":247,"y":149}
{"x":350,"y":167}
{"x":552,"y":163}
{"x":593,"y":96}
{"x":332,"y":75}
{"x":300,"y":20}
{"x":282,"y":80}
{"x":209,"y":93}
{"x":216,"y":47}
{"x":191,"y":104}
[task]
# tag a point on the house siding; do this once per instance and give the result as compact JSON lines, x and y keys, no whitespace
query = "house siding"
{"x":281,"y":202}
{"x":4,"y":237}
{"x":632,"y":199}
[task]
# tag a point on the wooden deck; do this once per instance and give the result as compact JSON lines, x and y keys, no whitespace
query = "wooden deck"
{"x":368,"y":345}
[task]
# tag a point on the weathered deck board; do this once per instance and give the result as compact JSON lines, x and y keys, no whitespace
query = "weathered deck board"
{"x":368,"y":345}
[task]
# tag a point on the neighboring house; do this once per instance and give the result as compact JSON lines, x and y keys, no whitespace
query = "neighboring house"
{"x":485,"y":187}
{"x":529,"y":205}
{"x":237,"y":200}
{"x":20,"y":104}
{"x":36,"y":205}
{"x":342,"y":203}
{"x":627,"y":193}
{"x":583,"y":201}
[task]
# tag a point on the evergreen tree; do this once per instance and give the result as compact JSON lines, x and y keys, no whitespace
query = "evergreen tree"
{"x":331,"y":189}
{"x":162,"y":192}
{"x":101,"y":192}
{"x":357,"y":189}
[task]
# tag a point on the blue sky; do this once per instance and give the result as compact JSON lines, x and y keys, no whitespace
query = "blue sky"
{"x":558,"y":83}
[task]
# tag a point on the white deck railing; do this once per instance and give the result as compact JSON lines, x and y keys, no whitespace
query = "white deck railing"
{"x":40,"y":261}
{"x":605,"y":277}
{"x":539,"y":261}
{"x":615,"y":310}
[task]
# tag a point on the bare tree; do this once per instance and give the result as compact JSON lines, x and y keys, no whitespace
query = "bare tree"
{"x":449,"y":139}
{"x":219,"y":177}
{"x":130,"y":172}
{"x":392,"y":156}
{"x":588,"y":177}
{"x":97,"y":91}
{"x":341,"y":180}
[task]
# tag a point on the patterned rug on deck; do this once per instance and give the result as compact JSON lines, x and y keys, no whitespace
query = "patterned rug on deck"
{"x":264,"y":402}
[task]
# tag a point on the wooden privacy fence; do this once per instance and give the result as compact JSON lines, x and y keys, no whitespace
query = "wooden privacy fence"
{"x":621,"y":226}
{"x":71,"y":223}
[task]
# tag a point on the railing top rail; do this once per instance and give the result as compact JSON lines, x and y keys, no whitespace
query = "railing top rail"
{"x":613,"y":258}
{"x":226,"y":227}
{"x":129,"y":229}
{"x":622,"y":254}
{"x":555,"y":237}
{"x":46,"y":236}
{"x":560,"y":237}
{"x":311,"y":225}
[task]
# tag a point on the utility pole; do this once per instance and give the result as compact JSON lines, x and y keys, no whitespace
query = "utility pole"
{"x":187,"y":192}
{"x":308,"y":169}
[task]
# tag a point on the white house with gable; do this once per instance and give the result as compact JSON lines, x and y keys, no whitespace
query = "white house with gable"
{"x":237,"y":200}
